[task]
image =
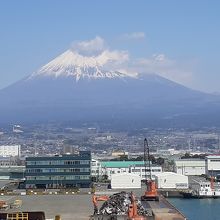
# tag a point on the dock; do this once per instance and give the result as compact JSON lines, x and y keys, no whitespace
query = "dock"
{"x":163,"y":210}
{"x":154,"y":210}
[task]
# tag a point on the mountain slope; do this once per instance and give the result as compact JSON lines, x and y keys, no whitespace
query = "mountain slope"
{"x":76,"y":88}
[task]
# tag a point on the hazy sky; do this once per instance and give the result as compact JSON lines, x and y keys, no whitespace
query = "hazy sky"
{"x":176,"y":39}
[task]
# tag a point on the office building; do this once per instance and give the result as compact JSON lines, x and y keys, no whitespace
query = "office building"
{"x":60,"y":171}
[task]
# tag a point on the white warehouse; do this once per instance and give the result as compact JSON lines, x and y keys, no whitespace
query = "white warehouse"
{"x":170,"y":180}
{"x":212,"y":165}
{"x":125,"y":181}
{"x":190,"y":167}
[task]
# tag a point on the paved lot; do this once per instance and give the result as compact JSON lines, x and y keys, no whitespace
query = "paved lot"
{"x":70,"y":207}
{"x":77,"y":207}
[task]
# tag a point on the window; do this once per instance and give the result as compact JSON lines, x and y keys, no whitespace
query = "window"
{"x":136,"y":170}
{"x":86,"y":162}
{"x":147,"y":170}
{"x":156,"y":170}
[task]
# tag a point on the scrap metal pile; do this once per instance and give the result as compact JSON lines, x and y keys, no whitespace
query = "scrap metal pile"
{"x":118,"y":204}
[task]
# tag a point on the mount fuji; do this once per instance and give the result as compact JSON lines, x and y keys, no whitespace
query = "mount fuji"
{"x":78,"y":88}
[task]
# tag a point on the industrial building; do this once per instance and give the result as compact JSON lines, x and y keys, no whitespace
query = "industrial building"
{"x":59,"y":171}
{"x":170,"y":180}
{"x":213,"y":165}
{"x":12,"y":172}
{"x":108,"y":168}
{"x":119,"y":153}
{"x":190,"y":167}
{"x":10,"y":150}
{"x":126,"y":181}
{"x":8,"y":161}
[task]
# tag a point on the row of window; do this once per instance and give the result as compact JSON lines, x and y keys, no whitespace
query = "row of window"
{"x":58,"y":162}
{"x":133,"y":171}
{"x":57,"y":170}
{"x":59,"y":178}
{"x":193,"y":167}
{"x":147,"y":170}
{"x":95,"y":164}
{"x":94,"y":171}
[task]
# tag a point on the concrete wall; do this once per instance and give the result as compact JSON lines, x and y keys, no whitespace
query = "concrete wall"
{"x":125,"y":181}
{"x":169,"y":180}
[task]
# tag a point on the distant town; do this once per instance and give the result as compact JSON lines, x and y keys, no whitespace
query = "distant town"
{"x":183,"y":152}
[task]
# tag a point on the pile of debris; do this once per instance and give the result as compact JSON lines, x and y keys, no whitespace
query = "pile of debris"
{"x":118,"y":204}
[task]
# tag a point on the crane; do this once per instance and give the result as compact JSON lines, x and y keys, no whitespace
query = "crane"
{"x":133,"y":210}
{"x":151,"y":192}
{"x":95,"y":200}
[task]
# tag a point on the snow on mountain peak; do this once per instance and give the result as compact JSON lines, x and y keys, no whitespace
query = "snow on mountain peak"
{"x":72,"y":63}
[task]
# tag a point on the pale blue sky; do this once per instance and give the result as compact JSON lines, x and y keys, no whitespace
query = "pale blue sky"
{"x":184,"y":34}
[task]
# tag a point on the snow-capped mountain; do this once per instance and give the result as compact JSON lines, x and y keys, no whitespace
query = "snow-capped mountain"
{"x":78,"y":88}
{"x":73,"y":64}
